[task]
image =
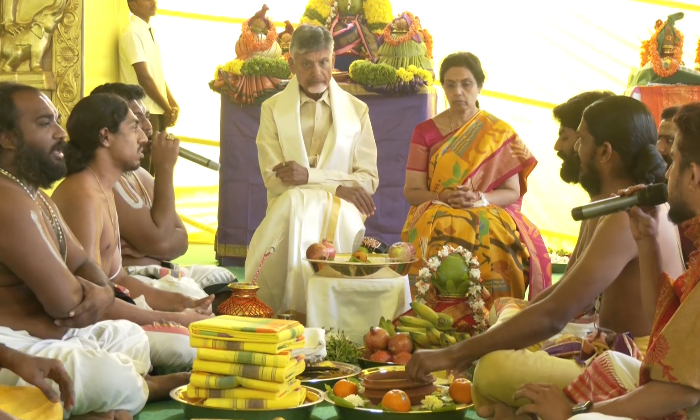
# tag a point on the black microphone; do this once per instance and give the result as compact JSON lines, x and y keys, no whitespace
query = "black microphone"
{"x":199,"y":159}
{"x":653,"y":195}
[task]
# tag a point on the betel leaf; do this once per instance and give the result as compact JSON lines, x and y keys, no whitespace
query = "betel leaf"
{"x":354,"y":380}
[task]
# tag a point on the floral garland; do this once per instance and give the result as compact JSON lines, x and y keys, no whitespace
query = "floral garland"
{"x":697,"y":57}
{"x":257,"y":66}
{"x":378,"y":14}
{"x":428,"y":43}
{"x":412,"y":30}
{"x":427,"y":275}
{"x":251,"y":42}
{"x":652,"y":52}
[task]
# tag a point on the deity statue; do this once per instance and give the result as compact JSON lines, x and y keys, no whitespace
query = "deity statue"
{"x":258,"y":37}
{"x":355,"y":25}
{"x":26,"y":28}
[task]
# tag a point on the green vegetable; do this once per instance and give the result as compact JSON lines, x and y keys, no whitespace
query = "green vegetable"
{"x":340,"y":349}
{"x":264,"y":66}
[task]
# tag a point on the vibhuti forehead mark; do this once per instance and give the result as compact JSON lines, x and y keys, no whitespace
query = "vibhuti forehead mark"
{"x":50,"y":104}
{"x":135,"y":204}
{"x":49,"y":243}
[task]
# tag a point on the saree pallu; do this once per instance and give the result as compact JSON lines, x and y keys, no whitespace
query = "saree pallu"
{"x":485,"y":152}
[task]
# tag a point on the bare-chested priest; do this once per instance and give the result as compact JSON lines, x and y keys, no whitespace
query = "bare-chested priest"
{"x":52,"y":294}
{"x":616,"y":145}
{"x":318,"y":160}
{"x":152,"y":233}
{"x":106,"y":140}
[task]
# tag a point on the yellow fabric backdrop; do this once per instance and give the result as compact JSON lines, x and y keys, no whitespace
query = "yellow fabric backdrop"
{"x":536,"y":54}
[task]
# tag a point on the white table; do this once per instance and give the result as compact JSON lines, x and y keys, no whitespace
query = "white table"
{"x":355,"y":305}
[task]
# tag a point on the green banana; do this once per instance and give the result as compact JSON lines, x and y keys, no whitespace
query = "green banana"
{"x":433,"y":335}
{"x":426,"y":312}
{"x":445,"y":321}
{"x":420,"y":339}
{"x":462,"y":336}
{"x":402,"y":328}
{"x":447,"y":340}
{"x":414,"y":321}
{"x":390,"y":328}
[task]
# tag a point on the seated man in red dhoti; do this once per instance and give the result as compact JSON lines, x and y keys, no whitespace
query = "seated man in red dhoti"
{"x":666,"y":384}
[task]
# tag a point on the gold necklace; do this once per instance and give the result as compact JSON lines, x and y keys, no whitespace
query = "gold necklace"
{"x":449,"y":117}
{"x":109,"y":210}
{"x":55,"y":222}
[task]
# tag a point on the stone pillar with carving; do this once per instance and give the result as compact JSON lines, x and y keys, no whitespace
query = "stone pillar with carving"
{"x":41,"y":46}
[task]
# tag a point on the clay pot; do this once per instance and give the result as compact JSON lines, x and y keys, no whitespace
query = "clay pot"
{"x":377,"y":384}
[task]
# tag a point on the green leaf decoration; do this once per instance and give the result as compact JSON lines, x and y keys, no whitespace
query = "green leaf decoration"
{"x":456,"y":170}
{"x":412,"y":235}
{"x":451,"y":287}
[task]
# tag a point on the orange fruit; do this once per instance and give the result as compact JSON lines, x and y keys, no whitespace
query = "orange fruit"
{"x":396,"y":400}
{"x":461,"y":391}
{"x":343,"y":388}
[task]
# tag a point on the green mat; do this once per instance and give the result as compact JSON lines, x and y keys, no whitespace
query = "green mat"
{"x":170,"y":410}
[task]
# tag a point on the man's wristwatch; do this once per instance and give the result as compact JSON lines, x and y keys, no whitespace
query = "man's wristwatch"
{"x":582,"y":407}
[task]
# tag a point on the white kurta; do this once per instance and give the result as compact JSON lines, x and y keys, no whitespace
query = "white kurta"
{"x":306,"y":214}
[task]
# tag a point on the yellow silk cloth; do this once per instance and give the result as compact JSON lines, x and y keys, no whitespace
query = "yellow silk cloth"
{"x":245,"y":357}
{"x":239,"y":393}
{"x":264,"y":373}
{"x":269,"y":348}
{"x":212,"y":381}
{"x":294,"y":399}
{"x":249,"y":330}
{"x":28,"y":403}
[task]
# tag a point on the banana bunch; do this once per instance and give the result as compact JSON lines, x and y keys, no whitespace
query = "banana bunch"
{"x":429,"y":329}
{"x":387,"y":326}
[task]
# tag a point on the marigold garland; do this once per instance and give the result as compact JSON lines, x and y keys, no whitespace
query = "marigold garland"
{"x":251,"y":42}
{"x":412,"y":30}
{"x":428,"y":43}
{"x":697,"y":56}
{"x":378,"y":14}
{"x":655,"y":57}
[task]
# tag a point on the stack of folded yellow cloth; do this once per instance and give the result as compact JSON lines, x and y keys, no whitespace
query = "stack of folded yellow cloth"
{"x":247,"y":363}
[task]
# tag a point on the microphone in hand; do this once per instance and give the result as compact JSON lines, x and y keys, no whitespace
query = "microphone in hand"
{"x":651,"y":196}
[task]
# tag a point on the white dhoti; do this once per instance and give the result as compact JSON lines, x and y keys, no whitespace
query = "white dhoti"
{"x":301,"y":217}
{"x":106,"y":361}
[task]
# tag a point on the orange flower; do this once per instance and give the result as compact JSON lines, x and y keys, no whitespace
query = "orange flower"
{"x":697,"y":56}
{"x":429,"y":43}
{"x":412,"y":30}
{"x":250,"y":39}
{"x":655,"y":57}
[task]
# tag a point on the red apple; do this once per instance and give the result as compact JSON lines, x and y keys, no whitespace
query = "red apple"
{"x":381,"y":356}
{"x":331,"y":249}
{"x":317,"y":252}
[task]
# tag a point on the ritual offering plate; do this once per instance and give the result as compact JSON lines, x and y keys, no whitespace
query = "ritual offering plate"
{"x":194,"y":409}
{"x":388,"y":394}
{"x":327,"y":373}
{"x":342,"y":265}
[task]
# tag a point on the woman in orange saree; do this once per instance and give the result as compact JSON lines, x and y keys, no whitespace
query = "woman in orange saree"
{"x":465,"y":179}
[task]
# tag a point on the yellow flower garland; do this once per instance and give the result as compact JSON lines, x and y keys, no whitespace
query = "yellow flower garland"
{"x":378,"y":11}
{"x":233,"y":66}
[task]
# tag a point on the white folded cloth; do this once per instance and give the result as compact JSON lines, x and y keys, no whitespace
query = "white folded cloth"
{"x":315,"y":349}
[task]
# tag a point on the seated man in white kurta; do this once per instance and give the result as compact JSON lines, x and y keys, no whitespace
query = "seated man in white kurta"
{"x":318,"y":160}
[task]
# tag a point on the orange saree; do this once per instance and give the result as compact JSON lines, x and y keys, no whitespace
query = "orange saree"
{"x":484,"y":153}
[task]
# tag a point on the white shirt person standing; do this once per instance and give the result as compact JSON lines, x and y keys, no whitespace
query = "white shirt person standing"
{"x":140,"y":64}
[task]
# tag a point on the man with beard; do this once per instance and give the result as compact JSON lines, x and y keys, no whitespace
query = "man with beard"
{"x":666,"y":384}
{"x":151,"y":231}
{"x":568,"y":115}
{"x":105,"y":140}
{"x":52,"y":294}
{"x":667,"y":133}
{"x":617,"y":138}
